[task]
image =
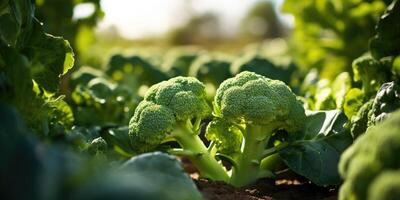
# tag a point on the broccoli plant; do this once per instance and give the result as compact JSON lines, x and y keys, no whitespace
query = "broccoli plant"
{"x":173,"y":110}
{"x":366,"y":164}
{"x":258,"y":127}
{"x":258,"y":106}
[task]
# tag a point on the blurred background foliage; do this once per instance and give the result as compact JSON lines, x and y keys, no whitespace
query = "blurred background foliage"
{"x":81,"y":94}
{"x":320,"y":48}
{"x":310,"y":45}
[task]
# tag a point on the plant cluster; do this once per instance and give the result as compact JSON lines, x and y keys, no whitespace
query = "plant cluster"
{"x":116,"y":131}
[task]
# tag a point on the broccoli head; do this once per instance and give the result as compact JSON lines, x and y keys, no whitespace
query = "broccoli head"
{"x":253,"y":99}
{"x":258,"y":106}
{"x":370,"y":156}
{"x":372,"y":73}
{"x":172,"y":110}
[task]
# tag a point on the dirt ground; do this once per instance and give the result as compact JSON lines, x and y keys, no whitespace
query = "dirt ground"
{"x":266,"y":189}
{"x":286,"y":186}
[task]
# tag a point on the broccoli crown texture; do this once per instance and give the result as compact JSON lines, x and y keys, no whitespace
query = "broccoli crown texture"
{"x":185,"y":96}
{"x":254,"y":99}
{"x":371,"y":155}
{"x":179,"y":99}
{"x":227,"y":137}
{"x":386,"y":186}
{"x":387,"y":100}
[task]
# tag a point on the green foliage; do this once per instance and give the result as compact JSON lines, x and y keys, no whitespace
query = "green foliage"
{"x":359,"y":122}
{"x":324,"y":35}
{"x":262,"y":21}
{"x":178,"y":61}
{"x":255,"y":63}
{"x":233,"y":129}
{"x":57,"y":173}
{"x":210,"y":69}
{"x":315,"y":152}
{"x":322,"y":94}
{"x":31,"y":65}
{"x":59,"y":20}
{"x":97,"y":101}
{"x":371,"y":155}
{"x":371,"y":73}
{"x":133,"y":71}
{"x":386,"y":42}
{"x":354,"y":99}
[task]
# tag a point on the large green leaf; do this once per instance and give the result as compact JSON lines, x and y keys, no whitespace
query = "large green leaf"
{"x":155,"y":172}
{"x":315,"y":152}
{"x":16,"y":19}
{"x":387,"y":40}
{"x":51,"y":57}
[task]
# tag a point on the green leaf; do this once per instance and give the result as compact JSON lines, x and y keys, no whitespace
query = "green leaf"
{"x":16,"y":20}
{"x":353,"y":101}
{"x":387,"y":40}
{"x":119,"y":138}
{"x":160,"y":175}
{"x":51,"y":57}
{"x":316,"y":154}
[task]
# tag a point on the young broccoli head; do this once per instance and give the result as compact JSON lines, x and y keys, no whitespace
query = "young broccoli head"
{"x":167,"y":113}
{"x":149,"y":126}
{"x":258,"y":106}
{"x":185,"y":96}
{"x":167,"y":105}
{"x":254,"y":99}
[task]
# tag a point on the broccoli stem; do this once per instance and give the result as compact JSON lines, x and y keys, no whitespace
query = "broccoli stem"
{"x":248,"y":163}
{"x":207,"y":165}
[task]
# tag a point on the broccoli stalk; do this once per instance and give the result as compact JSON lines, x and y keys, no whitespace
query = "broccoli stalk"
{"x":247,"y":168}
{"x":193,"y":147}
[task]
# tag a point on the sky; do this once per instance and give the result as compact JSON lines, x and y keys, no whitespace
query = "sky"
{"x":140,"y":18}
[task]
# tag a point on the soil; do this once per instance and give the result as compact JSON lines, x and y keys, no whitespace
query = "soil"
{"x":286,"y":186}
{"x":266,"y":189}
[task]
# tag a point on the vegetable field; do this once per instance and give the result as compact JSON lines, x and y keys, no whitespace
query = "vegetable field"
{"x":308,"y":111}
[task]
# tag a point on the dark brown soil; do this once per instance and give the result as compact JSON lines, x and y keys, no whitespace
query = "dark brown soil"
{"x":265,"y":189}
{"x":286,"y":186}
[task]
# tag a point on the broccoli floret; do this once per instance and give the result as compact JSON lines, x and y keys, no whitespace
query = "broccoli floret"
{"x":372,"y":73}
{"x":372,"y":154}
{"x":385,"y":187}
{"x":173,"y":110}
{"x":387,"y":100}
{"x":227,"y":137}
{"x":359,"y":122}
{"x":259,"y":106}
